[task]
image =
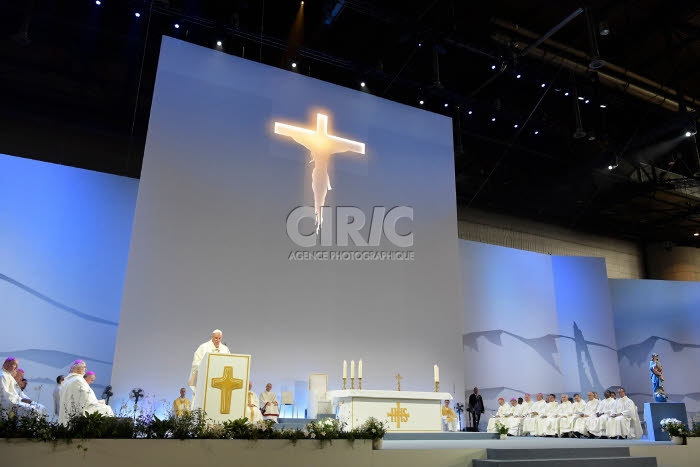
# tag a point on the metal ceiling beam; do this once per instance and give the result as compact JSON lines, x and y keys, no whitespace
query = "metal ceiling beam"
{"x":627,"y":75}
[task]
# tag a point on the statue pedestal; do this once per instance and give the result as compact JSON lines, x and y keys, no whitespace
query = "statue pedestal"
{"x":654,"y":412}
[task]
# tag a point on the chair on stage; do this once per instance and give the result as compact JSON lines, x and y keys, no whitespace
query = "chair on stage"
{"x":288,"y":399}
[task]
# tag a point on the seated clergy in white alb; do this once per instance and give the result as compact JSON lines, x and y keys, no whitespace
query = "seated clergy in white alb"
{"x":449,"y":417}
{"x":565,"y":413}
{"x":213,"y":345}
{"x":582,"y":416}
{"x":503,"y":409}
{"x":513,"y":420}
{"x":268,"y":404}
{"x":596,"y":424}
{"x":10,"y":398}
{"x":623,"y":422}
{"x":78,"y":398}
{"x":252,"y":412}
{"x":530,"y":417}
{"x":521,"y":412}
{"x":548,"y":423}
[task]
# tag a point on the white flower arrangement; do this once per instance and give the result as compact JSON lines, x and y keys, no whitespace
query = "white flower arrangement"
{"x":673,"y":426}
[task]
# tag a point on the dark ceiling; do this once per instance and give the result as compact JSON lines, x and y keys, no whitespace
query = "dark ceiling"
{"x":76,"y":81}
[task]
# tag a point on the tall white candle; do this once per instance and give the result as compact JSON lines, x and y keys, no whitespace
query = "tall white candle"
{"x":359,"y":370}
{"x":436,"y":372}
{"x":352,"y":368}
{"x":345,"y":368}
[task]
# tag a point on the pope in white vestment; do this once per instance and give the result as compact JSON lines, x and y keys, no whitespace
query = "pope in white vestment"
{"x":533,"y":413}
{"x":624,"y":420}
{"x":268,"y":404}
{"x":211,"y":346}
{"x":252,"y":412}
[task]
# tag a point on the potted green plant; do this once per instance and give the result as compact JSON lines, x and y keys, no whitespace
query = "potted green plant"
{"x":675,"y":428}
{"x":502,"y":430}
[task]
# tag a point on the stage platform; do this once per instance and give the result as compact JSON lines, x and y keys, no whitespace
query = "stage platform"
{"x":447,"y":452}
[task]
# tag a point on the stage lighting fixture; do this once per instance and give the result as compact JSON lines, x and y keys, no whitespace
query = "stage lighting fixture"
{"x":294,"y":64}
{"x":177,"y":26}
{"x":98,"y":2}
{"x":493,"y":67}
{"x":604,"y":29}
{"x":537,"y":132}
{"x":586,"y":101}
{"x":596,"y":63}
{"x":603,"y":106}
{"x":493,"y":119}
{"x":518,"y":75}
{"x":566,"y":93}
{"x":219,"y":43}
{"x":688,"y":134}
{"x":137,"y":14}
{"x":696,"y":234}
{"x":420,"y":44}
{"x":690,"y":130}
{"x":362,"y":84}
{"x":581,"y":98}
{"x":543,"y":85}
{"x":515,"y":126}
{"x":302,"y":3}
{"x":470,"y":112}
{"x":421,"y":102}
{"x":446,"y":104}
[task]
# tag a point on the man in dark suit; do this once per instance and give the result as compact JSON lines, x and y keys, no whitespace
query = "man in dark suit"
{"x":476,"y":408}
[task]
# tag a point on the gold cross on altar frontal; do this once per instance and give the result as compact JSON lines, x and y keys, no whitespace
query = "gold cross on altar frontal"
{"x":226,"y":384}
{"x":398,"y":414}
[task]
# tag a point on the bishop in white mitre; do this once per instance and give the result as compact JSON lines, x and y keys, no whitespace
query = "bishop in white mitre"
{"x":213,"y":345}
{"x":252,"y":412}
{"x":77,"y":397}
{"x":11,"y":397}
{"x":581,"y":417}
{"x":623,"y":422}
{"x":596,"y":425}
{"x":503,"y":409}
{"x":268,"y":404}
{"x":532,"y":414}
{"x":548,"y":422}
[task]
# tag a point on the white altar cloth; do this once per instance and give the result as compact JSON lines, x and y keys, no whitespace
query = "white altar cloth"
{"x":405,"y":411}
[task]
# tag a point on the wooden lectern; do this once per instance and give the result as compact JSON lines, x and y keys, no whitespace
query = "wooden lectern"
{"x":222,"y":386}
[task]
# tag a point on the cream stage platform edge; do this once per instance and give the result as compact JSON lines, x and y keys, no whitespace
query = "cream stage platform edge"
{"x":222,"y":386}
{"x":404,"y":410}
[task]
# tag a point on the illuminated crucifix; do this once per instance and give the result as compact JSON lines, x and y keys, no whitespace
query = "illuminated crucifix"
{"x":322,"y":146}
{"x":398,"y":414}
{"x":226,"y":384}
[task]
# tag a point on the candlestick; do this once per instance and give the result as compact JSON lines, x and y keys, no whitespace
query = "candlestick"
{"x":360,"y":383}
{"x":398,"y":381}
{"x":352,"y":383}
{"x":352,"y":369}
{"x":345,"y":369}
{"x":359,"y":370}
{"x":436,"y":373}
{"x":344,"y":379}
{"x":437,"y":386}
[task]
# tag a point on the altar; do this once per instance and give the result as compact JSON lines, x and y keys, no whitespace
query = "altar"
{"x":403,"y":410}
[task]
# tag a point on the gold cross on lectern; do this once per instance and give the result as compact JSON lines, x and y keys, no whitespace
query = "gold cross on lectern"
{"x":226,"y":384}
{"x":398,"y":415}
{"x":322,"y":146}
{"x":398,"y":381}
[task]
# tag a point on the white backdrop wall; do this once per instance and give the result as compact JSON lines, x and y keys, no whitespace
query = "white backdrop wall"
{"x":535,"y":323}
{"x":210,"y":250}
{"x":659,"y":317}
{"x":64,"y":240}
